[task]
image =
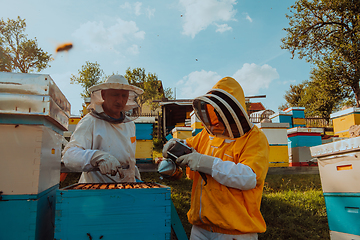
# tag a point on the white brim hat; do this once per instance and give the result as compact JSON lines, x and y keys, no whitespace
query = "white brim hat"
{"x":116,"y":82}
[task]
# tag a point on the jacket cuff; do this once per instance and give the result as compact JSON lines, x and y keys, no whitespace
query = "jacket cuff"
{"x":205,"y":164}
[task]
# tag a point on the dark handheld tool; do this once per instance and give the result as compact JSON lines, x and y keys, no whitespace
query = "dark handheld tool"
{"x":179,"y":149}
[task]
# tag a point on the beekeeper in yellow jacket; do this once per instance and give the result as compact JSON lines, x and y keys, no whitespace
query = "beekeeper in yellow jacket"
{"x":234,"y":155}
{"x":105,"y":137}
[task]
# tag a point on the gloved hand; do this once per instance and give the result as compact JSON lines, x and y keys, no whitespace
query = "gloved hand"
{"x":168,"y":145}
{"x":197,"y":162}
{"x":106,"y":162}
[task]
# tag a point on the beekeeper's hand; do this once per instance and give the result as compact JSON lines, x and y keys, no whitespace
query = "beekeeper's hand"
{"x":168,"y":145}
{"x":106,"y":162}
{"x":197,"y":162}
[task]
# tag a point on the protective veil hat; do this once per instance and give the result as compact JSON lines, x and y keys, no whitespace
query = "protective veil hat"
{"x":222,"y":110}
{"x":131,"y":109}
{"x":116,"y":82}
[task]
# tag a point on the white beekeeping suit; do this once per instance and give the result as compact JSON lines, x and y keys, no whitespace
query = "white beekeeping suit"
{"x":104,"y":142}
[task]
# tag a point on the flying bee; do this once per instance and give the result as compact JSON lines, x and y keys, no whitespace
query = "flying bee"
{"x":64,"y":47}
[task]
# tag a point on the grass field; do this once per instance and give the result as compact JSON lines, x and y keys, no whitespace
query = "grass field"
{"x":293,"y":206}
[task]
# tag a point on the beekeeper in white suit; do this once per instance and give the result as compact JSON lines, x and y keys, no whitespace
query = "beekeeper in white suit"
{"x":105,"y":138}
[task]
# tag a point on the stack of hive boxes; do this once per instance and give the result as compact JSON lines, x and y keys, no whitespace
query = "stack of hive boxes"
{"x":344,"y":119}
{"x":144,"y":139}
{"x":300,"y":138}
{"x":276,"y":134}
{"x":34,"y":113}
{"x":196,"y":124}
{"x":299,"y":142}
{"x":294,"y":116}
{"x":282,"y":117}
{"x":73,"y":121}
{"x":339,"y":167}
{"x":297,"y":116}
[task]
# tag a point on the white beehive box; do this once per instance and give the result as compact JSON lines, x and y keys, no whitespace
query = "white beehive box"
{"x":339,"y":165}
{"x":26,"y":95}
{"x":30,"y":159}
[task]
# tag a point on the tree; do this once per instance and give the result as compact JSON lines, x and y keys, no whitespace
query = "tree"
{"x":151,"y":85}
{"x":89,"y":75}
{"x":320,"y":96}
{"x":17,"y":52}
{"x":294,"y":95}
{"x":328,"y":32}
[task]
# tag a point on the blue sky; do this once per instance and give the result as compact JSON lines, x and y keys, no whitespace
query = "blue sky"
{"x":189,"y":44}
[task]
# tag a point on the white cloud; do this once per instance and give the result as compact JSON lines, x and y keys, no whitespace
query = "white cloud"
{"x":247,"y":17}
{"x":288,"y":82}
{"x":137,"y":8}
{"x":126,"y":6}
{"x":133,"y":49}
{"x":223,"y":28}
{"x":199,"y":14}
{"x":253,"y":77}
{"x":96,"y":37}
{"x":150,"y":12}
{"x":196,"y":84}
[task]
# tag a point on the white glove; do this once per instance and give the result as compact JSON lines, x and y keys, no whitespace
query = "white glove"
{"x":197,"y":162}
{"x":168,"y":145}
{"x":106,"y":162}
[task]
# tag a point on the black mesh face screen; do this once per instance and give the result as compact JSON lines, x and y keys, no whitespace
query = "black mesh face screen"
{"x":234,"y":129}
{"x":240,"y":115}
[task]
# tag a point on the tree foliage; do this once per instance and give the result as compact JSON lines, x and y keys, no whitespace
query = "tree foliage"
{"x":17,"y":52}
{"x":152,"y":86}
{"x":320,"y":96}
{"x":89,"y":75}
{"x":327,"y":34}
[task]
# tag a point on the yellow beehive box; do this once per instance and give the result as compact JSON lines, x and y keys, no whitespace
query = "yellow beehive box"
{"x":344,"y":119}
{"x":276,"y":134}
{"x":197,"y":125}
{"x":182,"y":132}
{"x":278,"y":156}
{"x":73,"y":121}
{"x":195,"y":122}
{"x":299,"y":121}
{"x":144,"y":149}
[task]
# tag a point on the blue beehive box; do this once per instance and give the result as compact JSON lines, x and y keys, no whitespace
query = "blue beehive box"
{"x":113,"y":211}
{"x":282,"y":117}
{"x":28,"y":216}
{"x":343,"y":212}
{"x":304,"y":137}
{"x":296,"y":112}
{"x":144,"y":131}
{"x":144,"y":128}
{"x":304,"y":141}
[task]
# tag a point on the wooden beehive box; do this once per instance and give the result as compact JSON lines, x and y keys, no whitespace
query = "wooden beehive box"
{"x":27,"y":98}
{"x":344,"y":119}
{"x":113,"y":211}
{"x":339,"y":168}
{"x":30,"y":217}
{"x":30,"y":159}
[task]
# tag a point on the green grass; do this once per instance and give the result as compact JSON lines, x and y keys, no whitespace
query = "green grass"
{"x":293,"y":206}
